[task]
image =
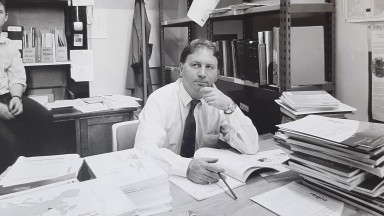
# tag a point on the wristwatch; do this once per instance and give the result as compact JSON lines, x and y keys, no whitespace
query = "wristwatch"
{"x":231,"y":108}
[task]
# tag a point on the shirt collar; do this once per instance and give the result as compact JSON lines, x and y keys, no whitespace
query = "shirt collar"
{"x":2,"y":38}
{"x":184,"y":96}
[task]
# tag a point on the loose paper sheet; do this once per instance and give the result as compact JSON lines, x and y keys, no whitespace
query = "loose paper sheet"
{"x":200,"y":10}
{"x":199,"y":191}
{"x":82,"y":65}
{"x":294,"y":199}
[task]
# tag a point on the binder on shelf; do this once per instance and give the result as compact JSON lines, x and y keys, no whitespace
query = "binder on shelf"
{"x":240,"y":56}
{"x":268,"y":55}
{"x":15,"y":34}
{"x":61,"y":47}
{"x":276,"y":56}
{"x":307,"y":55}
{"x":262,"y":59}
{"x":47,"y":46}
{"x":252,"y":71}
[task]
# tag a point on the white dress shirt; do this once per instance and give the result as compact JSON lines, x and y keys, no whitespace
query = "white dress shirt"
{"x":11,"y":66}
{"x":162,"y":122}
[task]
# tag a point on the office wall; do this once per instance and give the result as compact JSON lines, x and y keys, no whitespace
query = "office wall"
{"x":111,"y":53}
{"x":352,"y":64}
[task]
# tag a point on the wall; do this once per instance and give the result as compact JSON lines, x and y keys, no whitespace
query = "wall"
{"x":111,"y":53}
{"x":352,"y":64}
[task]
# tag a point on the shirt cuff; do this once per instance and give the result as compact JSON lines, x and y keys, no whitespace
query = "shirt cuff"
{"x":180,"y":167}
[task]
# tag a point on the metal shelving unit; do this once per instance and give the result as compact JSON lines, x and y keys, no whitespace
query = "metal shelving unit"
{"x":285,"y":11}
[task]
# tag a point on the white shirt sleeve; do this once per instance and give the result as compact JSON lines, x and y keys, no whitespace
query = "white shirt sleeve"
{"x":150,"y":139}
{"x":239,"y":132}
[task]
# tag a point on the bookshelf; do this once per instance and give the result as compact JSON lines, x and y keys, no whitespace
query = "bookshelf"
{"x":48,"y":78}
{"x":256,"y":101}
{"x":284,"y":16}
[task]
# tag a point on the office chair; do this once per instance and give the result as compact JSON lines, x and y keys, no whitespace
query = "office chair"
{"x":123,"y":135}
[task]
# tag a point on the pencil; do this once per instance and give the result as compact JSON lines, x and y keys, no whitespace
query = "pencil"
{"x":225,"y":182}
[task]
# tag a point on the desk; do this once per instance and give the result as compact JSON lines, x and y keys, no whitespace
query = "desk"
{"x":93,"y":131}
{"x":223,"y":204}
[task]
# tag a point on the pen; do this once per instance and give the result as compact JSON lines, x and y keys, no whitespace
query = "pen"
{"x":225,"y":182}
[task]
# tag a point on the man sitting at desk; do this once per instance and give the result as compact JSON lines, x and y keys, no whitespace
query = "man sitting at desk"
{"x":192,"y":113}
{"x":21,"y":118}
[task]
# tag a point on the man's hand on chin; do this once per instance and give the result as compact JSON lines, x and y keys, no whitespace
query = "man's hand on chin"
{"x":204,"y":171}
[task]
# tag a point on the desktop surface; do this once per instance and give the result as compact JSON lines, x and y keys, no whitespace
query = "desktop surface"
{"x":224,"y":204}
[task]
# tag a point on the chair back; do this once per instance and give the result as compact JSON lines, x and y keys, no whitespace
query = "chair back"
{"x":123,"y":135}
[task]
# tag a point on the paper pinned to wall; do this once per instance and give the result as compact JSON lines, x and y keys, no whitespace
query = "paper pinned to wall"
{"x":82,"y":65}
{"x":200,"y":10}
{"x":99,"y":26}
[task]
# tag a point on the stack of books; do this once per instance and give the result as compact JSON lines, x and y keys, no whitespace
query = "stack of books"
{"x":91,"y":197}
{"x":339,"y":157}
{"x":143,"y":182}
{"x":31,"y":172}
{"x":298,"y":104}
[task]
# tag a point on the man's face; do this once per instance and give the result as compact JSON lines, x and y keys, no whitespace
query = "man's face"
{"x":199,"y":70}
{"x":3,"y":16}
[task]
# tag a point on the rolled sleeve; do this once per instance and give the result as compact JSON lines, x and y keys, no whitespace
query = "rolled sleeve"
{"x":240,"y":133}
{"x":16,"y":70}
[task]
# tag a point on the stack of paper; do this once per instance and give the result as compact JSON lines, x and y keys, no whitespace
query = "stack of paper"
{"x":298,"y":104}
{"x":309,"y":100}
{"x":145,"y":183}
{"x":32,"y":172}
{"x":342,"y":158}
{"x":73,"y":199}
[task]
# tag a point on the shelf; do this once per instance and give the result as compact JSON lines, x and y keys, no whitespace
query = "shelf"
{"x":294,"y":8}
{"x":46,"y":64}
{"x":177,"y":23}
{"x":238,"y":81}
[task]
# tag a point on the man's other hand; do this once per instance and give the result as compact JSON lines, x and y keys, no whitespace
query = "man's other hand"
{"x":204,"y":171}
{"x":15,"y":106}
{"x":5,"y":113}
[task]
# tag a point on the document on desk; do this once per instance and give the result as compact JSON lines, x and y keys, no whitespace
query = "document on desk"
{"x":42,"y":168}
{"x":294,"y":199}
{"x":201,"y":192}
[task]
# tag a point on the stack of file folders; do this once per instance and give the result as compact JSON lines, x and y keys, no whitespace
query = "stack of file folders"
{"x":339,"y":157}
{"x":91,"y":197}
{"x":143,"y":182}
{"x":298,"y":104}
{"x":31,"y":172}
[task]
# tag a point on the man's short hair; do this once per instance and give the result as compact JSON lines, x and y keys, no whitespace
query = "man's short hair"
{"x":4,"y":3}
{"x":198,"y":44}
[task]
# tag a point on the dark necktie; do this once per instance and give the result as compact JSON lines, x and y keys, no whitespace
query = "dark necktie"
{"x":188,"y":143}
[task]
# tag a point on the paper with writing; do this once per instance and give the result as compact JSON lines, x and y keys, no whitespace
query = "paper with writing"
{"x":200,"y":10}
{"x":294,"y":199}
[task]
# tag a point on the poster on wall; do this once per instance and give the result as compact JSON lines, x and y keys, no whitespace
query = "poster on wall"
{"x":376,"y":72}
{"x":363,"y":10}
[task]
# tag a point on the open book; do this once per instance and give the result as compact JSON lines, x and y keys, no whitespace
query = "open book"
{"x":240,"y":166}
{"x":237,"y":167}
